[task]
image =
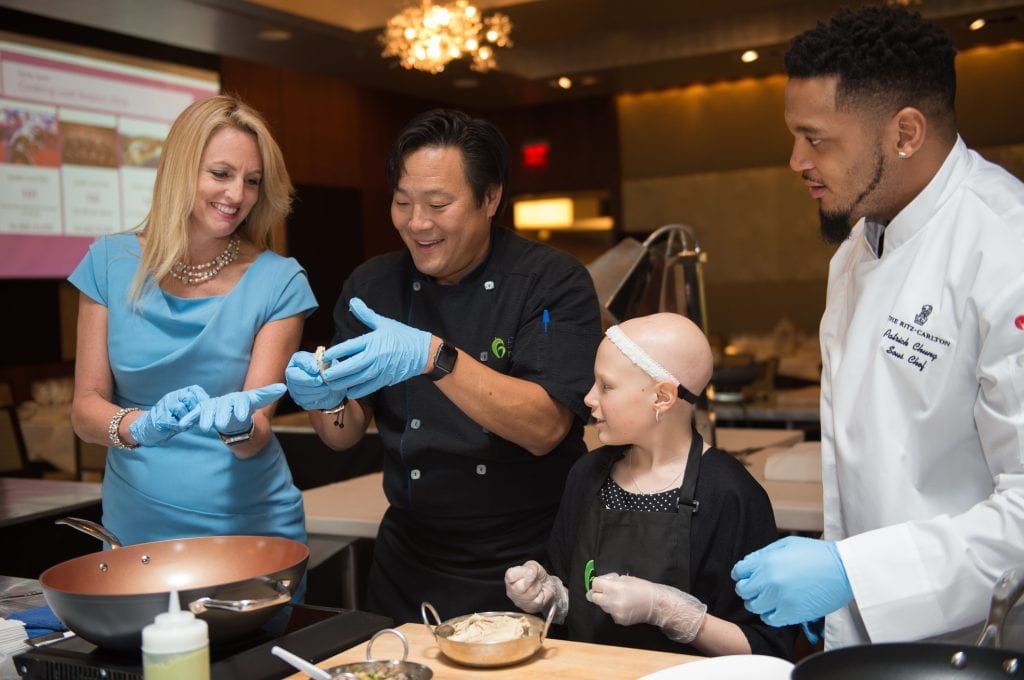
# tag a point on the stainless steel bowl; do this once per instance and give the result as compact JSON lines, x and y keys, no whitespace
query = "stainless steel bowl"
{"x":392,"y":669}
{"x":485,"y":654}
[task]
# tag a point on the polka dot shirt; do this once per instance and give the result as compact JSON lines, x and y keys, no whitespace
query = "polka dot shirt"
{"x":615,"y":497}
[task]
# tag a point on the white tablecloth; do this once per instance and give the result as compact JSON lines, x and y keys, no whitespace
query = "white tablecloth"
{"x":48,"y":434}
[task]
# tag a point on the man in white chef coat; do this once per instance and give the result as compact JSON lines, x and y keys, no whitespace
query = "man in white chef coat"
{"x":922,"y":409}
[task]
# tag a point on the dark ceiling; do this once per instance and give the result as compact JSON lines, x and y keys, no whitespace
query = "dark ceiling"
{"x":606,"y":46}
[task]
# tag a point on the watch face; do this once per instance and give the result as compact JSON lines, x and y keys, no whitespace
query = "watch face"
{"x":444,"y":361}
{"x":446,"y":356}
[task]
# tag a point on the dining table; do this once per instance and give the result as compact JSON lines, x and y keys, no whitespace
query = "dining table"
{"x":555,"y":659}
{"x":28,"y":508}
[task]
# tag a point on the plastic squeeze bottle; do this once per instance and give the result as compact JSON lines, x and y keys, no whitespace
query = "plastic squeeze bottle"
{"x":176,"y":645}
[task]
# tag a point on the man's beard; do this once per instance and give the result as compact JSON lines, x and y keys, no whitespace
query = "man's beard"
{"x":836,"y":226}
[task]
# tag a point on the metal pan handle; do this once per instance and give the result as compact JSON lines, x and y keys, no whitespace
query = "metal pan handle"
{"x":283,"y":595}
{"x":1008,"y":590}
{"x":92,"y":528}
{"x":547,"y":622}
{"x":392,"y":631}
{"x":424,"y":608}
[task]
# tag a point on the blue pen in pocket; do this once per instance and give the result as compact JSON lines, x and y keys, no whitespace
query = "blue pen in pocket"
{"x":545,"y":319}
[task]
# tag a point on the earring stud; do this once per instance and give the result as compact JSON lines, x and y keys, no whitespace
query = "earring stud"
{"x":902,"y":154}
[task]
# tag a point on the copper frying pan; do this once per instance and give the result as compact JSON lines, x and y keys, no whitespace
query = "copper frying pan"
{"x":235,"y":583}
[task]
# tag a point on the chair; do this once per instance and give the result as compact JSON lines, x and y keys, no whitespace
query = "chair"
{"x":13,"y":452}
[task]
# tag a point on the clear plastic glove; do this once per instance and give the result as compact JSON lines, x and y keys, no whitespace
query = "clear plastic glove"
{"x":793,"y":580}
{"x":389,"y":354}
{"x":308,"y":387}
{"x":232,"y":413}
{"x":630,"y":600}
{"x":166,"y":418}
{"x":533,"y":589}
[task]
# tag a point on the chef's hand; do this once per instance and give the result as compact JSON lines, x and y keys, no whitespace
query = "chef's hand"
{"x":308,"y":387}
{"x":232,"y":413}
{"x":629,"y":600}
{"x":165,"y":419}
{"x":533,"y":589}
{"x":793,"y":580}
{"x":389,"y":354}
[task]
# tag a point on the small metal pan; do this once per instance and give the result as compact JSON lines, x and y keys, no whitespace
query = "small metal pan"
{"x":487,"y":654}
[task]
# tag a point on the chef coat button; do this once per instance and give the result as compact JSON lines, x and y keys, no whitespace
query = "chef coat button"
{"x":481,"y":469}
{"x":416,"y":285}
{"x":483,"y":357}
{"x":414,"y":423}
{"x":488,"y":285}
{"x":414,"y":474}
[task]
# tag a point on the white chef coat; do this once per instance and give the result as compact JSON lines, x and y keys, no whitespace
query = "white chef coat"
{"x":921,"y":409}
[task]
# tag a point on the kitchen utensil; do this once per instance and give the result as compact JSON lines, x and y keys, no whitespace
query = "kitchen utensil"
{"x":300,"y":664}
{"x":395,"y":669}
{"x":498,"y":653}
{"x":929,"y":660}
{"x":234,"y":583}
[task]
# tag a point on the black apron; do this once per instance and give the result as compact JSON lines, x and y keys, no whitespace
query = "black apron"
{"x":650,"y":545}
{"x":458,"y":565}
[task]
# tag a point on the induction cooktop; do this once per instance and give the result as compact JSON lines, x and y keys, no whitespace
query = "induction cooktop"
{"x":314,"y":633}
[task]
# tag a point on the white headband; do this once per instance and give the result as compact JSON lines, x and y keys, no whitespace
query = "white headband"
{"x":646,"y":362}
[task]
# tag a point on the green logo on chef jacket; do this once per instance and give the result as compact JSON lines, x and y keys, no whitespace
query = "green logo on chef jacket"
{"x":498,"y":348}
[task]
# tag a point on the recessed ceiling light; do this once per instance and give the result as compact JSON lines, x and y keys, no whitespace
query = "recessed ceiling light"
{"x":749,"y":56}
{"x":274,"y":35}
{"x":565,"y":82}
{"x":588,"y":81}
{"x":977,"y":24}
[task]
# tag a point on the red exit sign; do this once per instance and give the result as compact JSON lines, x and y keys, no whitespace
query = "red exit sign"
{"x":536,"y":154}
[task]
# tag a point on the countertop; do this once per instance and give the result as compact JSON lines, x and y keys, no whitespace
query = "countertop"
{"x":354,"y":507}
{"x":555,"y":659}
{"x":23,"y":499}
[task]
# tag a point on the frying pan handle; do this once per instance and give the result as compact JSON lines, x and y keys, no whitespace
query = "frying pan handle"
{"x":92,"y":528}
{"x":1008,"y":590}
{"x":283,"y":595}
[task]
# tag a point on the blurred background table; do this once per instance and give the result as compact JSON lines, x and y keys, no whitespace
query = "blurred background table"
{"x":30,"y":539}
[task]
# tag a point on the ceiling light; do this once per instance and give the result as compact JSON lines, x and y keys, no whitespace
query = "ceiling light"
{"x":428,"y":35}
{"x":977,"y":24}
{"x":749,"y":56}
{"x":565,"y":82}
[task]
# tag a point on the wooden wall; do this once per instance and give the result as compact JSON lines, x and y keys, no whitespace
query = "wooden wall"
{"x":716,"y":157}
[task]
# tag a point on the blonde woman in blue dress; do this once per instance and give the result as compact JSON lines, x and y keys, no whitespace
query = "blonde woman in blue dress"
{"x":185,"y":327}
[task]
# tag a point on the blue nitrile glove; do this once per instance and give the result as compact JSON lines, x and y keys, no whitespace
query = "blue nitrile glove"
{"x":389,"y":354}
{"x":232,"y":413}
{"x":793,"y":580}
{"x":165,"y":419}
{"x":307,"y":386}
{"x":813,"y":630}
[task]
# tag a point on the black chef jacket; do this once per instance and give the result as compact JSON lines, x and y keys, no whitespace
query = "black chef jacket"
{"x":465,"y":503}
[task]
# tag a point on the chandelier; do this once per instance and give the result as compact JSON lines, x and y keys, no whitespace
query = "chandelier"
{"x":428,"y":35}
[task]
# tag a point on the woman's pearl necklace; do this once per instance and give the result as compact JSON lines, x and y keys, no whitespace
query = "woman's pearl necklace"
{"x":194,"y":274}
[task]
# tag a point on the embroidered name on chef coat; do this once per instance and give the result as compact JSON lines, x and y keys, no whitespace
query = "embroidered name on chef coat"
{"x":911,"y":344}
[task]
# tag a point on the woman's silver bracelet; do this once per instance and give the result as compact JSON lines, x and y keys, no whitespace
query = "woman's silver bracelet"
{"x":114,"y":427}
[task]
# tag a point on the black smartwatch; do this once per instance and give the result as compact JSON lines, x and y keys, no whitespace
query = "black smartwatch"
{"x":444,"y":361}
